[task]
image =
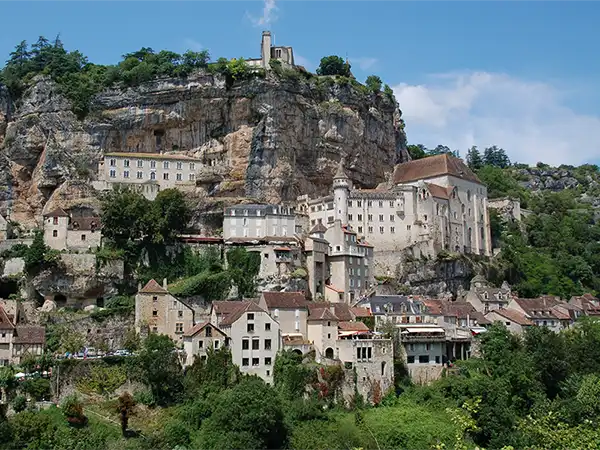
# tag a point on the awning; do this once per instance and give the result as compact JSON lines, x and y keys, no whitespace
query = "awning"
{"x":478,"y":330}
{"x":291,"y":334}
{"x":423,"y":330}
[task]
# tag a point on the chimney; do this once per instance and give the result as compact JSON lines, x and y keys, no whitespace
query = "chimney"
{"x":139,"y":287}
{"x":164,"y":283}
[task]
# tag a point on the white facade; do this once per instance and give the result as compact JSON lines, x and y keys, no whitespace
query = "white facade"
{"x":62,"y":232}
{"x":198,"y":340}
{"x":258,"y":221}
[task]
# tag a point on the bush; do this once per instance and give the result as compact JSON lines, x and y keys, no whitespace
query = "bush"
{"x":73,"y":410}
{"x":144,"y":397}
{"x":374,"y":83}
{"x":37,"y":388}
{"x":333,"y":65}
{"x":19,"y":403}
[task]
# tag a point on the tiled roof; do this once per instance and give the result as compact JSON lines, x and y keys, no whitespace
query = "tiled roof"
{"x":59,"y":212}
{"x":267,"y":239}
{"x":359,"y":311}
{"x":513,"y":315}
{"x":285,"y":300}
{"x":245,"y":307}
{"x":321,"y":314}
{"x":5,"y":322}
{"x":318,"y":228}
{"x":29,"y":334}
{"x":434,"y":306}
{"x":159,"y":156}
{"x":437,"y":190}
{"x":560,"y":315}
{"x":433,"y":166}
{"x":352,"y":326}
{"x":152,"y":287}
{"x":341,"y":310}
{"x":85,"y":223}
{"x":199,"y":327}
{"x":533,"y":306}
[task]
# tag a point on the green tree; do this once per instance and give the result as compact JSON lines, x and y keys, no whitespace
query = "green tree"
{"x":417,"y":151}
{"x":126,"y":217}
{"x":247,"y":416}
{"x":333,"y":65}
{"x":212,"y":375}
{"x":126,"y":409}
{"x":170,"y":215}
{"x":374,"y":83}
{"x":159,"y":368}
{"x":494,"y":156}
{"x":474,"y":159}
{"x":72,"y":408}
{"x":243,"y":266}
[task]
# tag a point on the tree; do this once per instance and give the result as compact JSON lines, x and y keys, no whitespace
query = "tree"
{"x":160,"y":369}
{"x":474,"y":159}
{"x":20,"y":56}
{"x":374,"y":83}
{"x":36,"y":254}
{"x":126,"y":217}
{"x":170,"y":215}
{"x":247,"y":416}
{"x":73,"y":410}
{"x":333,"y":65}
{"x":494,"y":156}
{"x":126,"y":409}
{"x":212,"y":375}
{"x":243,"y":267}
{"x":417,"y":151}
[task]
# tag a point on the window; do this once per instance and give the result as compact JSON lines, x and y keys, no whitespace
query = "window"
{"x":360,"y":217}
{"x":392,"y":230}
{"x":370,"y":230}
{"x":250,"y":328}
{"x":424,"y":359}
{"x":267,"y":344}
{"x":55,"y":221}
{"x":192,"y":177}
{"x":381,"y":230}
{"x":381,"y":217}
{"x":255,"y":361}
{"x":250,"y":316}
{"x":125,"y":163}
{"x":350,"y":217}
{"x":277,"y":53}
{"x":155,"y":329}
{"x":153,"y":175}
{"x":245,"y":362}
{"x":200,"y":344}
{"x":165,"y":164}
{"x":165,"y":176}
{"x":83,"y":237}
{"x":208,"y":332}
{"x":140,"y":175}
{"x":153,"y":164}
{"x":267,"y":327}
{"x":113,"y":162}
{"x":408,"y":227}
{"x":154,"y":313}
{"x":267,"y":361}
{"x":140,"y":163}
{"x":428,"y":347}
{"x":155,"y":299}
{"x":391,"y":218}
{"x":349,"y":203}
{"x":369,"y":203}
{"x":359,"y":203}
{"x":245,"y":344}
{"x":255,"y":344}
{"x":216,"y":344}
{"x":113,"y":173}
{"x":179,"y":327}
{"x":178,"y":177}
{"x":360,"y":229}
{"x":380,"y":204}
{"x":179,"y":166}
{"x":370,"y":217}
{"x":410,"y":359}
{"x":425,"y":217}
{"x":192,"y":166}
{"x":126,"y":174}
{"x":179,"y":313}
{"x":392,"y":204}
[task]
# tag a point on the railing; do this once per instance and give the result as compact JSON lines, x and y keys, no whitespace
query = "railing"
{"x":422,"y":338}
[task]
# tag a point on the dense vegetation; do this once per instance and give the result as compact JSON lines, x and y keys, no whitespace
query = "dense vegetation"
{"x":555,"y":249}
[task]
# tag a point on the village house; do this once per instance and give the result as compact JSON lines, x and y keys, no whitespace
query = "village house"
{"x":19,"y":342}
{"x":589,"y":305}
{"x":66,"y":232}
{"x":200,"y":338}
{"x":255,"y":339}
{"x":157,"y":311}
{"x":316,"y":252}
{"x":148,"y":173}
{"x":289,"y":309}
{"x":429,"y":205}
{"x":543,"y":311}
{"x":514,"y":320}
{"x":485,"y":298}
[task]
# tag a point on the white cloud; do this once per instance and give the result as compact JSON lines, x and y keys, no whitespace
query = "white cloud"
{"x":191,"y":44}
{"x":530,"y":120}
{"x":268,"y":14}
{"x":364,"y":63}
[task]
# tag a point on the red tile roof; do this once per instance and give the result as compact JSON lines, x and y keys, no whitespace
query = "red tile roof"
{"x":513,"y":315}
{"x":341,"y":310}
{"x":437,"y":191}
{"x":285,"y":300}
{"x":5,"y":322}
{"x":352,"y":326}
{"x":246,"y":307}
{"x":226,"y":306}
{"x":531,"y":306}
{"x":152,"y":287}
{"x":359,"y":311}
{"x":433,"y":166}
{"x":30,"y":334}
{"x":322,"y":314}
{"x":59,"y":212}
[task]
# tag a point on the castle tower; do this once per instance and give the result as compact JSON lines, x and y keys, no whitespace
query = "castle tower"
{"x":341,"y":190}
{"x":265,"y":48}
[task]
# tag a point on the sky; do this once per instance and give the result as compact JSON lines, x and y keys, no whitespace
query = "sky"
{"x":524,"y":76}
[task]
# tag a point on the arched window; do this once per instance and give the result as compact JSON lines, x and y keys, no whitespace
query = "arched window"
{"x":469,"y":195}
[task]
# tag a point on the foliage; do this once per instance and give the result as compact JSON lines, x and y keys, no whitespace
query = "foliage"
{"x":333,"y":65}
{"x":103,"y":379}
{"x":126,"y":409}
{"x":39,"y":255}
{"x":211,"y":375}
{"x":290,"y":376}
{"x":37,"y":388}
{"x":19,"y":403}
{"x":243,"y":267}
{"x":211,"y":286}
{"x":247,"y":416}
{"x":160,"y":369}
{"x":374,"y":83}
{"x":72,"y":408}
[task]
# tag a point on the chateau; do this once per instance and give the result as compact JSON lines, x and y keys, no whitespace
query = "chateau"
{"x":429,"y":205}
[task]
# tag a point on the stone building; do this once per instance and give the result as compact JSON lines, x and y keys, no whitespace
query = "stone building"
{"x":18,"y":342}
{"x":147,"y":172}
{"x":316,"y":253}
{"x":429,"y":205}
{"x":289,"y":309}
{"x":514,"y":320}
{"x":485,"y":298}
{"x":200,"y":338}
{"x":65,"y":232}
{"x":255,"y":339}
{"x":157,"y":311}
{"x":268,"y":51}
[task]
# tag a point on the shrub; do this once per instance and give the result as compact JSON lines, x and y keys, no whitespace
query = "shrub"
{"x":333,"y":65}
{"x":73,"y":410}
{"x":19,"y":403}
{"x":374,"y":83}
{"x":144,"y":397}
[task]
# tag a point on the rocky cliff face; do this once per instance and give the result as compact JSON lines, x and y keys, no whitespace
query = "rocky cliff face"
{"x":271,"y":139}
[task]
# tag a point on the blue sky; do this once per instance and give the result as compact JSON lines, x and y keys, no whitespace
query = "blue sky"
{"x":521,"y":75}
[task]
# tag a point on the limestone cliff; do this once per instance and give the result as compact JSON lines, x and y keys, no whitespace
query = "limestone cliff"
{"x":272,"y":138}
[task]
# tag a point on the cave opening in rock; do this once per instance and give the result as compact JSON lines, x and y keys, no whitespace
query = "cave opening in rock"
{"x":100,"y":302}
{"x":8,"y":287}
{"x":60,"y":300}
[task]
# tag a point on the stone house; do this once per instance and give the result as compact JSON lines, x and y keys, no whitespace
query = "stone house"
{"x":589,"y":304}
{"x":542,"y":311}
{"x":200,"y":338}
{"x":429,"y":205}
{"x":514,"y":320}
{"x":289,"y":309}
{"x":485,"y":298}
{"x":157,"y":311}
{"x":18,"y":342}
{"x":255,"y":339}
{"x":268,"y":51}
{"x":316,"y":253}
{"x":322,"y":327}
{"x":65,"y":232}
{"x":397,"y":309}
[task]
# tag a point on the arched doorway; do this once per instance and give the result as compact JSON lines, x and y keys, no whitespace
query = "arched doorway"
{"x":329,"y":353}
{"x":60,"y":300}
{"x":297,"y":352}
